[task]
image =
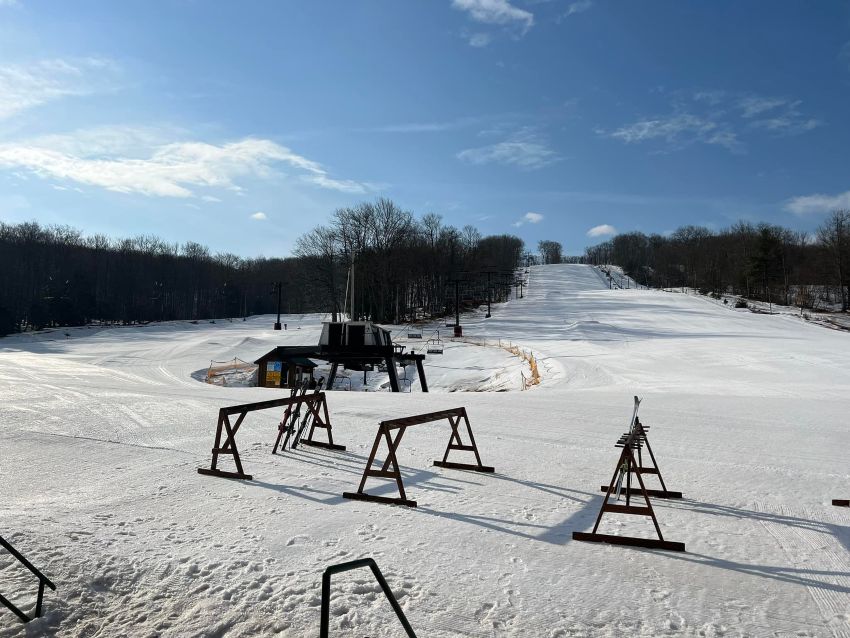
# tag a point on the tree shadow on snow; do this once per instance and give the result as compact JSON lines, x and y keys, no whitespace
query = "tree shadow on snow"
{"x":793,"y":575}
{"x":425,"y":480}
{"x":840,"y":532}
{"x":308,"y":493}
{"x":558,"y":534}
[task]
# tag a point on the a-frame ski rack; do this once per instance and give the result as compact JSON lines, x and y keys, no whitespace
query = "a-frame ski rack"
{"x":390,"y":470}
{"x":625,"y":468}
{"x":642,"y":441}
{"x":317,"y":409}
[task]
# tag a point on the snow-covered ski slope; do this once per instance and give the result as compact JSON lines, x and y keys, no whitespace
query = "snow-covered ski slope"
{"x":102,"y":434}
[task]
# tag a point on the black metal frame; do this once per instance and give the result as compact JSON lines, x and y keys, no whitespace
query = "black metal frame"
{"x":42,"y":581}
{"x":357,"y":564}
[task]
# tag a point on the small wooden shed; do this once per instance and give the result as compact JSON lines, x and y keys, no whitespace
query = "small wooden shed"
{"x":281,"y":369}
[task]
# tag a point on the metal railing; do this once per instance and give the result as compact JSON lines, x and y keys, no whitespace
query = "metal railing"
{"x":357,"y":564}
{"x":42,"y":581}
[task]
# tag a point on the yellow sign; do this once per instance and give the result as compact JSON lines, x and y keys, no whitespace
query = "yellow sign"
{"x":273,"y":374}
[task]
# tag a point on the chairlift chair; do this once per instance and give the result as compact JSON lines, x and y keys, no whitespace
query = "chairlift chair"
{"x":343,"y":380}
{"x":434,"y":346}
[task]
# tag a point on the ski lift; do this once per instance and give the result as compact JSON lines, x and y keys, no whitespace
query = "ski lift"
{"x":343,"y":381}
{"x":414,"y":335}
{"x":434,"y":346}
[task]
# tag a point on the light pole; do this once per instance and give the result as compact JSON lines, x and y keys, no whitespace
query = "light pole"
{"x":458,"y":330}
{"x":159,"y":295}
{"x":489,"y":295}
{"x":277,"y":325}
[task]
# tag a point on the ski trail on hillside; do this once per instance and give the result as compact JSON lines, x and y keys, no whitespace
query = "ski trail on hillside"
{"x":811,"y":547}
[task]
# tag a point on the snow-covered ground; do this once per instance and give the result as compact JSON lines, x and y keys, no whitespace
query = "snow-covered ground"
{"x":103,"y":432}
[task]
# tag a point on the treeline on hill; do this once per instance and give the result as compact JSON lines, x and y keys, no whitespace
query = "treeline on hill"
{"x":550,"y":251}
{"x":763,"y":261}
{"x":405,"y":268}
{"x":56,"y":276}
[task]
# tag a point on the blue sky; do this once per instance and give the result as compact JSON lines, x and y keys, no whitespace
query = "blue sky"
{"x":242,"y":125}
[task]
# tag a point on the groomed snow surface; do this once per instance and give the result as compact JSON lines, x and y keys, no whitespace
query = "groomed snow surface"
{"x":103,"y":431}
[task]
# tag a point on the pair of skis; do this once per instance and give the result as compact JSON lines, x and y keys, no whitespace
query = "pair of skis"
{"x":625,"y":470}
{"x":292,"y":417}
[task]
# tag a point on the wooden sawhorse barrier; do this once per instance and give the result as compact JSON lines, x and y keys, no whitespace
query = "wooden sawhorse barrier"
{"x":626,"y":466}
{"x":390,"y":470}
{"x":317,"y":409}
{"x":639,"y":468}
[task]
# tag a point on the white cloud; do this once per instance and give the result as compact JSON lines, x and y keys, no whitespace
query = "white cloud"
{"x":679,"y":130}
{"x":524,"y":149}
{"x":777,"y":115}
{"x":578,"y":7}
{"x":529,"y":218}
{"x":259,"y":216}
{"x":499,"y":12}
{"x":26,"y":86}
{"x":480,"y":39}
{"x":424,"y":127}
{"x":9,"y":3}
{"x":812,"y":204}
{"x":788,"y":121}
{"x":670,"y":128}
{"x":128,"y":160}
{"x":718,"y":118}
{"x":787,"y":124}
{"x":603,"y":230}
{"x":754,"y":105}
{"x":711,"y":97}
{"x":320,"y":178}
